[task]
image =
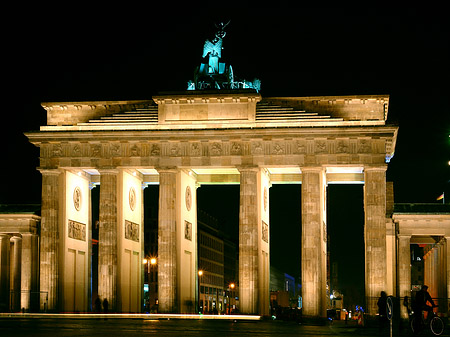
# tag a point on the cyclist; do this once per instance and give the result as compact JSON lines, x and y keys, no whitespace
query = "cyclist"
{"x":422,"y":298}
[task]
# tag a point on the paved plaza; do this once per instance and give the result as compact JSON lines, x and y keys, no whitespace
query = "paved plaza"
{"x":175,"y":327}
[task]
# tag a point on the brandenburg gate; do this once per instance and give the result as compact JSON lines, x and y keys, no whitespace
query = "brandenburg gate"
{"x":181,"y":141}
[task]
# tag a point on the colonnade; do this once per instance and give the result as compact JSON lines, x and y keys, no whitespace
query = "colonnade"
{"x":19,"y":263}
{"x":121,"y":211}
{"x":432,"y":230}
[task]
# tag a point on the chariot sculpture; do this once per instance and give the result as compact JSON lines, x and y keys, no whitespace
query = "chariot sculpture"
{"x":213,"y":74}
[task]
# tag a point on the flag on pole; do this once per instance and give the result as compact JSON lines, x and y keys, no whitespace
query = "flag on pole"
{"x":440,"y":197}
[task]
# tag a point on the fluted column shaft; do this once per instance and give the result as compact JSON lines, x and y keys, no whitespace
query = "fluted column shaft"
{"x":29,"y":268}
{"x":49,"y":243}
{"x":107,"y":246}
{"x":375,"y":234}
{"x":404,"y":270}
{"x":248,"y":241}
{"x":4,"y":272}
{"x":16,"y":263}
{"x":313,"y":242}
{"x":167,"y":242}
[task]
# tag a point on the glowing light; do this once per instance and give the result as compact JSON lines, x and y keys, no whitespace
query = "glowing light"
{"x":153,"y":260}
{"x":200,"y":272}
{"x":144,"y":261}
{"x":232,"y":285}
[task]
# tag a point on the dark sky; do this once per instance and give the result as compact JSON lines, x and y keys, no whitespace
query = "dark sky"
{"x":75,"y":53}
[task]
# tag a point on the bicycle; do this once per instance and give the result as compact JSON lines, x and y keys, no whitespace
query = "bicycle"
{"x":434,"y":322}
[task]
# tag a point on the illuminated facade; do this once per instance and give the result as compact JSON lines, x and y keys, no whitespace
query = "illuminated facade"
{"x":427,"y":225}
{"x":181,"y":141}
{"x":19,"y":259}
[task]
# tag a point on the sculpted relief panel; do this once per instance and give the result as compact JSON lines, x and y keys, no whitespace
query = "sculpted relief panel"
{"x":319,"y":151}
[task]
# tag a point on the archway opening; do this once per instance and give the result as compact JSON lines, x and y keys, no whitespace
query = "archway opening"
{"x":218,"y":248}
{"x":346,"y":256}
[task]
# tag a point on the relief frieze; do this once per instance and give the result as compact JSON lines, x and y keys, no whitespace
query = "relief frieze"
{"x":131,"y":231}
{"x":96,"y":150}
{"x":236,"y":149}
{"x":342,"y":146}
{"x":57,"y":150}
{"x":135,"y":150}
{"x":320,"y":146}
{"x":155,"y":150}
{"x":278,"y":148}
{"x":195,"y":149}
{"x":174,"y":150}
{"x":299,"y":147}
{"x":76,"y":230}
{"x":364,"y":146}
{"x":257,"y":148}
{"x":187,"y":230}
{"x":265,"y":232}
{"x":115,"y":150}
{"x":76,"y":150}
{"x":215,"y":149}
{"x":114,"y":153}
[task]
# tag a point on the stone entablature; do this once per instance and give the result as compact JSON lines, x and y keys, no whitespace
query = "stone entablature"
{"x":350,"y":108}
{"x":189,"y":108}
{"x":19,"y":223}
{"x":423,"y":224}
{"x":71,"y":113}
{"x":220,"y":110}
{"x":230,"y":148}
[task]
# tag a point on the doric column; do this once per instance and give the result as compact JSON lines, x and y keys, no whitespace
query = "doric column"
{"x":30,"y":262}
{"x":447,"y":267}
{"x":49,"y":243}
{"x":167,"y":242}
{"x":248,"y":241}
{"x":404,"y":270}
{"x":107,"y":234}
{"x":4,"y":272}
{"x":314,"y":241}
{"x":16,"y":263}
{"x":375,"y":234}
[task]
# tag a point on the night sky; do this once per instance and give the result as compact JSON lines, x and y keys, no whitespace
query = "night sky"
{"x":86,"y":53}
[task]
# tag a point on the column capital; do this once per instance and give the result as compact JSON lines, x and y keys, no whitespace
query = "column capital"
{"x":167,"y":169}
{"x":103,"y":171}
{"x":248,"y":168}
{"x":375,"y":168}
{"x":312,"y":168}
{"x":45,"y":171}
{"x":15,"y":238}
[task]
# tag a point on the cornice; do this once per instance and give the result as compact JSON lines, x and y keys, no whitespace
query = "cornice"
{"x":37,"y":137}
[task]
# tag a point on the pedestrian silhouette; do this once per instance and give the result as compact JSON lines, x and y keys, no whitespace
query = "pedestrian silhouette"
{"x":382,"y":302}
{"x":98,"y":305}
{"x":105,"y":306}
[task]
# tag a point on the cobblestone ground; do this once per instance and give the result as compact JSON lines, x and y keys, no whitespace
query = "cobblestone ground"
{"x":141,"y":327}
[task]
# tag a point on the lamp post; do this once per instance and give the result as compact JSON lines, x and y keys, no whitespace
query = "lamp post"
{"x":232,"y":285}
{"x":200,"y":273}
{"x":151,"y":268}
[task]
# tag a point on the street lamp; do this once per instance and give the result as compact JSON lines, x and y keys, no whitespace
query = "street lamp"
{"x":151,"y":263}
{"x":232,"y":285}
{"x":200,"y":273}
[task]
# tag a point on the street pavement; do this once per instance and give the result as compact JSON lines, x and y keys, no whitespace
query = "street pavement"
{"x":111,"y":327}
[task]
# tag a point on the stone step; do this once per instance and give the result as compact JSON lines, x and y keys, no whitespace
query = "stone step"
{"x":316,"y":118}
{"x":130,"y":116}
{"x":119,"y":121}
{"x":284,"y":113}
